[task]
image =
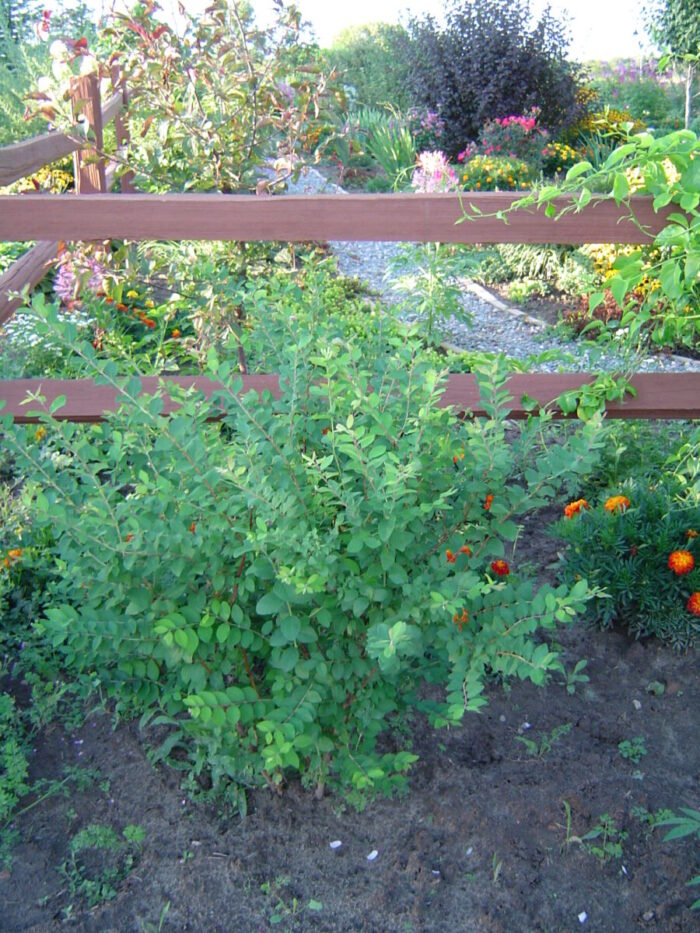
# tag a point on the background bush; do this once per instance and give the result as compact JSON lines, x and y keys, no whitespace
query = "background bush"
{"x":490,"y":60}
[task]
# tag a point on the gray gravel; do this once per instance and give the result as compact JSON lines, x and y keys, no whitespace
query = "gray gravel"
{"x":494,"y":327}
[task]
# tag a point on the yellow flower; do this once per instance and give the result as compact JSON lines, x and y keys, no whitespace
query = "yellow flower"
{"x":132,"y":294}
{"x":149,"y":304}
{"x":39,"y":434}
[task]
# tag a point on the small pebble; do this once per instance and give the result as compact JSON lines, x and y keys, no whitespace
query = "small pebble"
{"x":501,"y":718}
{"x":470,"y":850}
{"x":582,"y":917}
{"x":336,"y":844}
{"x":637,"y":705}
{"x":372,"y":855}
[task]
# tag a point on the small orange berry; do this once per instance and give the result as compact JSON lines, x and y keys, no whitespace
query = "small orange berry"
{"x":128,"y":538}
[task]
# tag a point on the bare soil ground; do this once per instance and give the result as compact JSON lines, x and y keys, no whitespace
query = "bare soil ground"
{"x":478,"y":844}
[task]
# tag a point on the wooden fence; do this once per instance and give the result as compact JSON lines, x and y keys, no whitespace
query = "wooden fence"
{"x":97,"y":215}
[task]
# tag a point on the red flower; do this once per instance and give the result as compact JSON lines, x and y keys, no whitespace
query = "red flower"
{"x":465,"y":550}
{"x":128,"y":538}
{"x":451,"y":558}
{"x":681,"y":562}
{"x":488,"y":501}
{"x":193,"y":526}
{"x":500,"y":567}
{"x":693,"y":604}
{"x":459,"y":621}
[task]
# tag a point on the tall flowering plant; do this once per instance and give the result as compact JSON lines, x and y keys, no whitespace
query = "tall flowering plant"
{"x":427,"y":273}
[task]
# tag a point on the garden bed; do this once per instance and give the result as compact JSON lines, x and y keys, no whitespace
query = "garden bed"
{"x":479,"y":843}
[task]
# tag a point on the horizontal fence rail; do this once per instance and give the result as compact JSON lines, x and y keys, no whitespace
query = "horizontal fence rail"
{"x":659,"y":395}
{"x":398,"y":217}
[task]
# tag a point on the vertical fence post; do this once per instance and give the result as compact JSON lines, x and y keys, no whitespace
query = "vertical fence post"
{"x":122,"y":127}
{"x":89,"y":165}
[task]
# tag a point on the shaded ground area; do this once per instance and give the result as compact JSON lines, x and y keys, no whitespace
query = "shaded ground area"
{"x":479,"y":843}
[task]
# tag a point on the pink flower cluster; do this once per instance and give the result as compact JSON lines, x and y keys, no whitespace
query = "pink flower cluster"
{"x":78,"y":272}
{"x":527,"y":123}
{"x":434,"y":173}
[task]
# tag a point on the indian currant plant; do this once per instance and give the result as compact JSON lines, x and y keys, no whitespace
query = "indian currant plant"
{"x":274,"y":588}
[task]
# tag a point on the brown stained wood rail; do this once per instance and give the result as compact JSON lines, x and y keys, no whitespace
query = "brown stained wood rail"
{"x":659,"y":395}
{"x":398,"y":217}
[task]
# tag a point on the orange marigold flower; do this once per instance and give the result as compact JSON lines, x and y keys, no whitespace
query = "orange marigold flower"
{"x":121,"y":306}
{"x":40,"y":434}
{"x":110,"y":301}
{"x":451,"y":558}
{"x":457,"y":457}
{"x":573,"y":508}
{"x":193,"y":526}
{"x":617,"y":504}
{"x":693,"y":604}
{"x":465,"y":550}
{"x":500,"y":567}
{"x":681,"y":562}
{"x":691,"y":534}
{"x":176,"y":333}
{"x":488,"y":501}
{"x":459,"y":621}
{"x":149,"y":322}
{"x":15,"y":553}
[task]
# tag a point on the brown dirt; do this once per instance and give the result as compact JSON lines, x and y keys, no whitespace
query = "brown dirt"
{"x":478,"y":844}
{"x":548,"y":308}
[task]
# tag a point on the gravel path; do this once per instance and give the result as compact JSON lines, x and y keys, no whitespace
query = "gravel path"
{"x":495,"y":328}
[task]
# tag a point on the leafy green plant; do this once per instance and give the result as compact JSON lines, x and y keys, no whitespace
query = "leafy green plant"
{"x":687,"y":824}
{"x":547,"y":740}
{"x":626,"y":549}
{"x":275,"y":587}
{"x":98,"y":861}
{"x":426,"y":278}
{"x":632,"y":749}
{"x":667,"y":169}
{"x":575,"y":676}
{"x":604,"y":840}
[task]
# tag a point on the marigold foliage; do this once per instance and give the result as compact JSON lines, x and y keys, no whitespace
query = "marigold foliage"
{"x":626,"y":552}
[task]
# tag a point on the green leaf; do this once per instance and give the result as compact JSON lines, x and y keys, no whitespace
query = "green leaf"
{"x":57,"y":403}
{"x":269,"y":604}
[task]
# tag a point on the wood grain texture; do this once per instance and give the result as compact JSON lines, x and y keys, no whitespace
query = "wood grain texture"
{"x":29,"y":269}
{"x":29,"y":155}
{"x":121,"y":127}
{"x":88,"y":163}
{"x":410,"y":217}
{"x":659,"y":395}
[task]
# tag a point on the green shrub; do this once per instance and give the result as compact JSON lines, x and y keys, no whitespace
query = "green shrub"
{"x":276,"y":587}
{"x":496,"y":173}
{"x":626,"y":552}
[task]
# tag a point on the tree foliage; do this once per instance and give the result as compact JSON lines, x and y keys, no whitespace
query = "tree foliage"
{"x":370,"y":59}
{"x":675,"y":26}
{"x":491,"y":60}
